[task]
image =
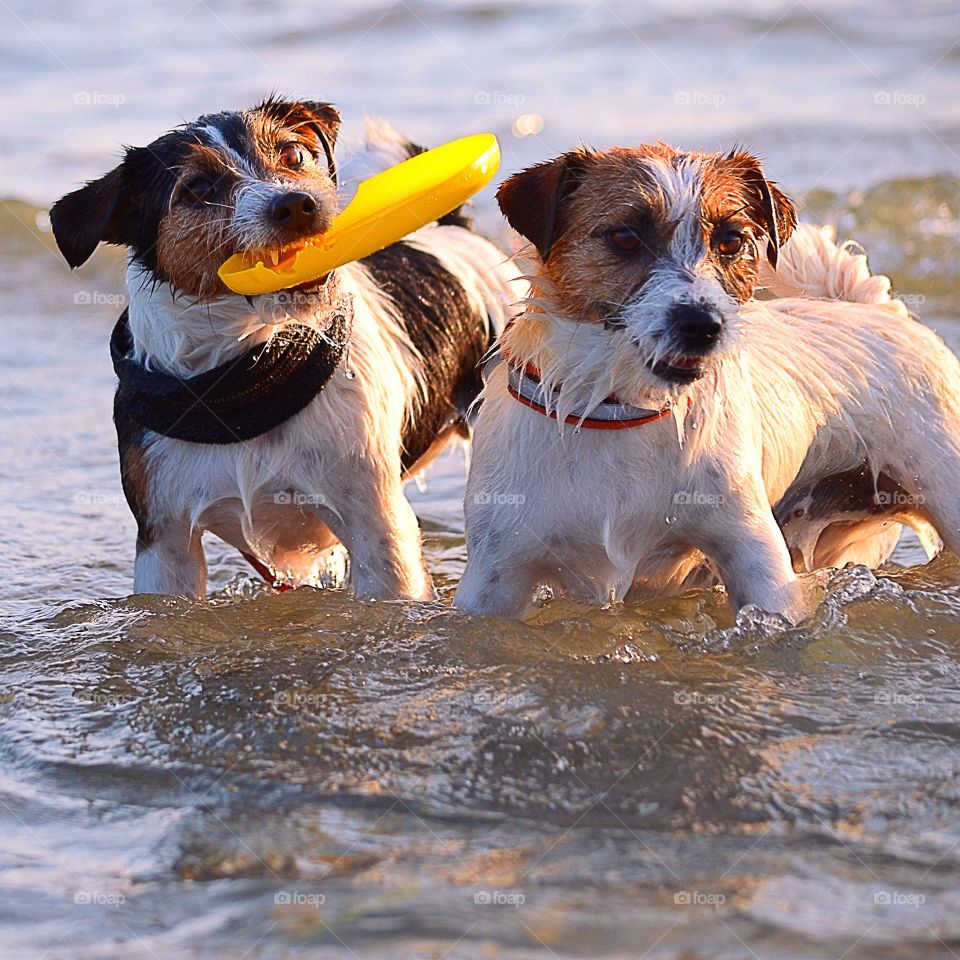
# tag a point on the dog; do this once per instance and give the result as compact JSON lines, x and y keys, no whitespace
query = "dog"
{"x":648,"y":424}
{"x":283,"y":423}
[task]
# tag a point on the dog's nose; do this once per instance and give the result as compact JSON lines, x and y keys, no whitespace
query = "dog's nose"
{"x":295,"y":209}
{"x":698,"y":327}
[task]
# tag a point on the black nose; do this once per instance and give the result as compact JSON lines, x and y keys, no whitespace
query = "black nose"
{"x":698,"y":328}
{"x":296,"y":209}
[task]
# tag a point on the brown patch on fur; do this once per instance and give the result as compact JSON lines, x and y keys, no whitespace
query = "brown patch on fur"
{"x":570,"y":206}
{"x":193,"y":239}
{"x":736,"y":194}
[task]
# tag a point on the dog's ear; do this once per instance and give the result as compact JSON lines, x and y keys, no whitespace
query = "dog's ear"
{"x":533,"y":200}
{"x":324,"y":116}
{"x":771,"y":208}
{"x":100,"y":211}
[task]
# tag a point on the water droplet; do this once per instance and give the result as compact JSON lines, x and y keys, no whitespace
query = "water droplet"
{"x":670,"y":518}
{"x":350,"y":374}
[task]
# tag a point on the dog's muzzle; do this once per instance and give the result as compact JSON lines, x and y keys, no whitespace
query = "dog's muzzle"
{"x":697,"y":328}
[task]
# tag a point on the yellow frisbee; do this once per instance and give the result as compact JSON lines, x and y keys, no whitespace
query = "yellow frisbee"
{"x":385,"y":209}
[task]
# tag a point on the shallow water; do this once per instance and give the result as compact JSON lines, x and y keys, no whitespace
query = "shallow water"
{"x":303,"y":775}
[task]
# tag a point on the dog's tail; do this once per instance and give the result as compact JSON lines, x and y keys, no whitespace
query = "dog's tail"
{"x":811,"y":264}
{"x":384,"y":146}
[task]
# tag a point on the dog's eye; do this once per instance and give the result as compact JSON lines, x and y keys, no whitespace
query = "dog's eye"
{"x":199,"y":189}
{"x":625,"y":238}
{"x":730,"y":243}
{"x":293,"y":156}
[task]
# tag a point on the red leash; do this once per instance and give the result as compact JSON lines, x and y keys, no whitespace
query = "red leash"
{"x":265,"y":573}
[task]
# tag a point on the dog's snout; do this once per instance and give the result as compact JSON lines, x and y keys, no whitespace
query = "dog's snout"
{"x":698,"y":327}
{"x":296,"y":210}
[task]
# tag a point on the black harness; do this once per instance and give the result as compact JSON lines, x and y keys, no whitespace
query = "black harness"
{"x":237,"y":400}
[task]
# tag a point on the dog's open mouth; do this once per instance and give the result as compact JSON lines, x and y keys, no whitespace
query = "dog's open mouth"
{"x":278,"y":258}
{"x":282,"y":258}
{"x":679,"y":369}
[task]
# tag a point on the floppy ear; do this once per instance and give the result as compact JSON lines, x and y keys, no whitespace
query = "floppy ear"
{"x":322,"y":118}
{"x":532,"y":200}
{"x":92,"y":214}
{"x":322,"y":115}
{"x":772,"y":208}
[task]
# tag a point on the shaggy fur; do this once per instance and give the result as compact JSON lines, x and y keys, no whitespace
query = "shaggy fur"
{"x":263,"y":180}
{"x":843,"y":415}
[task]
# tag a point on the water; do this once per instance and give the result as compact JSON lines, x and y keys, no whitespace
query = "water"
{"x":303,"y":775}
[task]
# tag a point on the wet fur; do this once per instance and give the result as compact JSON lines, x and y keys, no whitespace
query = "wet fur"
{"x":842,"y":416}
{"x":334,"y":471}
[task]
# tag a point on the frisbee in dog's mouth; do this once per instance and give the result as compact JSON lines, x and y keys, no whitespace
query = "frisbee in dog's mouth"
{"x":680,"y":369}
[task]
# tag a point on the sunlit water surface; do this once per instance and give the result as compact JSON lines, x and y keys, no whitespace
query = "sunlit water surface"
{"x":303,"y":775}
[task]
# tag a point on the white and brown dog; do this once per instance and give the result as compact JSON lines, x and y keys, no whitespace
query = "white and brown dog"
{"x":281,"y":423}
{"x":648,"y":421}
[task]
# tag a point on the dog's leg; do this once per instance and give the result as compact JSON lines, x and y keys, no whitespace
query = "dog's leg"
{"x":496,"y":588}
{"x":383,"y":541}
{"x":170,"y":560}
{"x":753,"y":560}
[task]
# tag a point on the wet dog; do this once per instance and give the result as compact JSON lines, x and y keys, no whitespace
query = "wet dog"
{"x":282,"y":423}
{"x":649,"y":424}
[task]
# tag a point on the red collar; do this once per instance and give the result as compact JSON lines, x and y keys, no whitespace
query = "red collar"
{"x":524,"y":385}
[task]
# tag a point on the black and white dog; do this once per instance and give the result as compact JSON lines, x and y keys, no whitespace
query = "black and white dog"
{"x":285,"y":422}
